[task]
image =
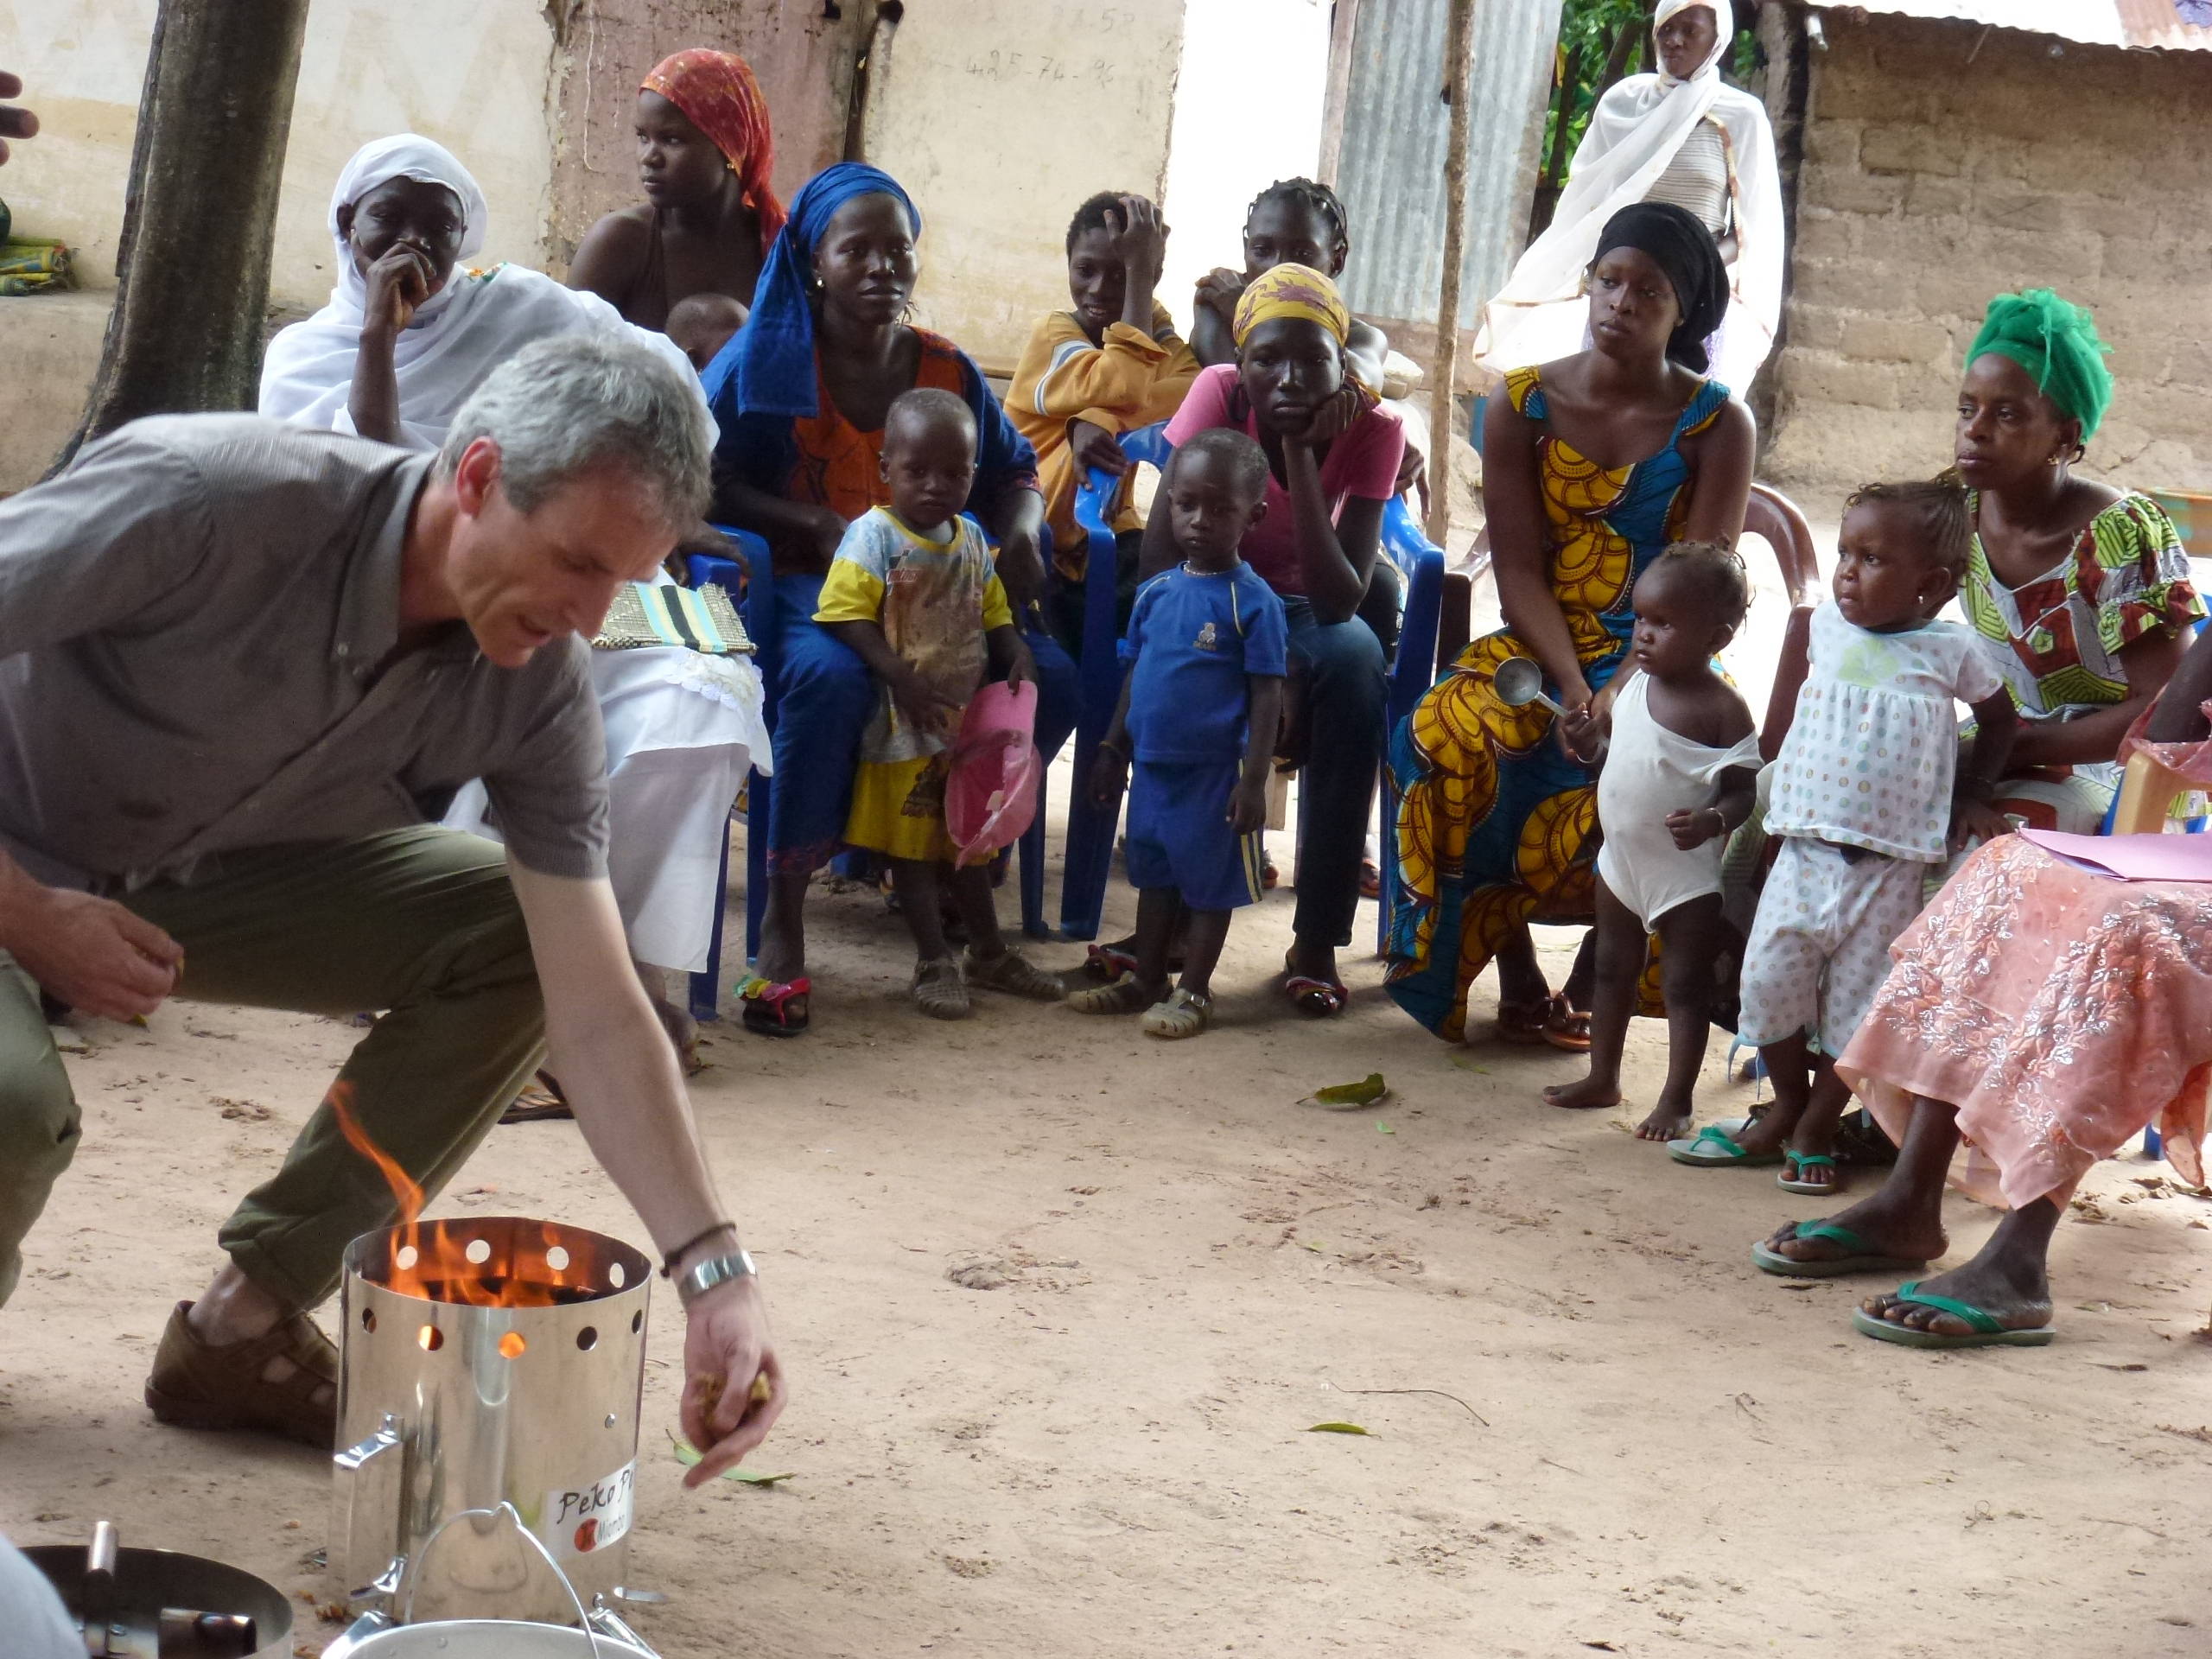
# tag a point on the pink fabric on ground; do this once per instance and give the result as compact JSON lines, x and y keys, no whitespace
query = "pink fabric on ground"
{"x":2060,"y":1012}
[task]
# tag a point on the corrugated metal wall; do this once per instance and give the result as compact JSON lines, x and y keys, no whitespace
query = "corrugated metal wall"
{"x":1390,"y":167}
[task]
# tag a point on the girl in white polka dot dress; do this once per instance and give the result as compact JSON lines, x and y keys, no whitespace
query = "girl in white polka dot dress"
{"x":1867,"y":791}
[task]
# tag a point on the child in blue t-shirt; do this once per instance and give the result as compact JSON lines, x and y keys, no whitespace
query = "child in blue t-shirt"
{"x":1195,"y":733}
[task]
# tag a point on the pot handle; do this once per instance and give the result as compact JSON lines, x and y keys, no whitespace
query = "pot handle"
{"x":501,"y":1511}
{"x":369,"y":1485}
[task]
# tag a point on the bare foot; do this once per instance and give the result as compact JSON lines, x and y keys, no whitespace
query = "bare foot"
{"x":1591,"y":1093}
{"x":1883,"y":1224}
{"x":1666,"y":1122}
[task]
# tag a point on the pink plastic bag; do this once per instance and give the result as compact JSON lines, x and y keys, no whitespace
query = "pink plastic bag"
{"x":990,"y":792}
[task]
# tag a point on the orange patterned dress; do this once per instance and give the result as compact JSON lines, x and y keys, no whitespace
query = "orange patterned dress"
{"x":1496,"y":823}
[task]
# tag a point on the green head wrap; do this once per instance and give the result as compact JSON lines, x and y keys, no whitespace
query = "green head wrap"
{"x":2057,"y":343}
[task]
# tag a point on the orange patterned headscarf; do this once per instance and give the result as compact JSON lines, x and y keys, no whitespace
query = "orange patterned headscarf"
{"x":718,"y":95}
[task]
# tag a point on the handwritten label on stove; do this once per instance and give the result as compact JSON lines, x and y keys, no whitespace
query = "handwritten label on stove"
{"x":583,"y":1520}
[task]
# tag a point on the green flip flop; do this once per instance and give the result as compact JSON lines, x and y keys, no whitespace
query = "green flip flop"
{"x":1864,"y":1258}
{"x":1713,"y":1147}
{"x":1988,"y":1331}
{"x":1789,"y":1181}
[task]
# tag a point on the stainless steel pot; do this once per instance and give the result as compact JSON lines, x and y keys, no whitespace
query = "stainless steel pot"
{"x":138,"y":1603}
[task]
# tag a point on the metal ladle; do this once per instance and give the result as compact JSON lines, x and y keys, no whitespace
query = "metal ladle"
{"x":1520,"y":682}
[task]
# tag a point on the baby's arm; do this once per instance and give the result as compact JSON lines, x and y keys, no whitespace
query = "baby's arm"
{"x":1790,"y":672}
{"x":1996,"y":724}
{"x":1694,"y":826}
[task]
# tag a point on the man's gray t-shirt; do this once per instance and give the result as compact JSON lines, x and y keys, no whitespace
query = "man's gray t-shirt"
{"x":199,"y":632}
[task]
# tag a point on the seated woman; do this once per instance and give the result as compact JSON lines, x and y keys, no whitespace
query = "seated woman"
{"x":1680,"y":135}
{"x":812,"y":375}
{"x":1110,"y":363}
{"x":704,"y":157}
{"x":2046,"y":1015}
{"x":1593,"y":465}
{"x":1332,"y":460}
{"x":2079,"y":592}
{"x":1299,"y":222}
{"x":404,"y":340}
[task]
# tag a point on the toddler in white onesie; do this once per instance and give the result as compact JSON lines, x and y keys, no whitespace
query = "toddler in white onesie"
{"x":1679,"y":763}
{"x":1863,"y":794}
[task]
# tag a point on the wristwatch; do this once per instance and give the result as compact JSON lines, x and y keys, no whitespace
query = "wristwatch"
{"x":705,"y":1273}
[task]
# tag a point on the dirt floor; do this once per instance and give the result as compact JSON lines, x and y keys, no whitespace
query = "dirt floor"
{"x":1059,"y":1306}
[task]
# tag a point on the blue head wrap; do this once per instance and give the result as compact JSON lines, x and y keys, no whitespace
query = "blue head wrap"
{"x":775,"y":364}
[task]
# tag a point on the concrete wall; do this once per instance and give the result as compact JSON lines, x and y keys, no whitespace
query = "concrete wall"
{"x":1944,"y":165}
{"x":999,"y":116}
{"x":473,"y":77}
{"x":802,"y":54}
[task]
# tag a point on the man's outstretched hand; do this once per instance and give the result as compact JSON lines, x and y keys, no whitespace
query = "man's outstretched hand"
{"x":14,"y":123}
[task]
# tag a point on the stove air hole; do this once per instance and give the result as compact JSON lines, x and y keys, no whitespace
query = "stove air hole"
{"x":369,"y":1320}
{"x":512,"y":1345}
{"x":636,"y":1322}
{"x":406,"y":1258}
{"x":587,"y":1339}
{"x":479,"y":1251}
{"x":558,"y":1258}
{"x":431,"y":1337}
{"x":616,"y":1275}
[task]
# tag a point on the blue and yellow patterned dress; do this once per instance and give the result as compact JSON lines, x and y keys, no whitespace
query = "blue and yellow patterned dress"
{"x":1496,"y":824}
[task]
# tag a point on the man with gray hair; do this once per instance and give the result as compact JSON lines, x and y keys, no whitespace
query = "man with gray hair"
{"x":242,"y":667}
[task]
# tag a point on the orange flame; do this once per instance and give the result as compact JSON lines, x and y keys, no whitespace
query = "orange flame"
{"x":439,"y":1268}
{"x":404,"y":1191}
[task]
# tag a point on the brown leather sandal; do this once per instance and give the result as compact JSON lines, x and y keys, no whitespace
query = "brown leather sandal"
{"x":196,"y":1386}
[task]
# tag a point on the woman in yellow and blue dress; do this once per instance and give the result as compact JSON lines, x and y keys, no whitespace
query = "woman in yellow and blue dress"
{"x":1592,"y":464}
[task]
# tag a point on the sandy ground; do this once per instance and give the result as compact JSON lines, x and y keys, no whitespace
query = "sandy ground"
{"x":1106,"y":1454}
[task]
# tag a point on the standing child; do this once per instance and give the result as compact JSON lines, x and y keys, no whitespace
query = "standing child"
{"x":1679,"y":771}
{"x":1868,"y":793}
{"x":1207,"y":649}
{"x":913,"y":591}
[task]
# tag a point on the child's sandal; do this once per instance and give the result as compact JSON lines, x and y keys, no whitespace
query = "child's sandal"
{"x":775,"y":1008}
{"x":1184,"y":1013}
{"x":1125,"y":995}
{"x":1012,"y":972}
{"x":939,"y":991}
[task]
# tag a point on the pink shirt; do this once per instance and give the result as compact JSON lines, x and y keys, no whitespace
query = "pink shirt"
{"x":1362,"y":462}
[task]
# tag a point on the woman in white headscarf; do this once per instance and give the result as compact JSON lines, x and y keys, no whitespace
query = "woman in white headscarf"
{"x":1679,"y":135}
{"x":409,"y":333}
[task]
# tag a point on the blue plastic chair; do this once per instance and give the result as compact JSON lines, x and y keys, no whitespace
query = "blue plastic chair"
{"x":1090,"y":827}
{"x":758,"y":607}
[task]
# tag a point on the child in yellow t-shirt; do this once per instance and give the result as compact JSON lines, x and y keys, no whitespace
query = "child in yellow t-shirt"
{"x":912,"y":590}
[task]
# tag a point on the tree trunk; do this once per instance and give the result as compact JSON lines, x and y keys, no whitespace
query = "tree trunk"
{"x":192,"y":265}
{"x":1459,"y":71}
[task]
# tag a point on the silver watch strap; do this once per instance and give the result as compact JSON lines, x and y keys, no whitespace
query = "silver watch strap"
{"x":705,"y":1273}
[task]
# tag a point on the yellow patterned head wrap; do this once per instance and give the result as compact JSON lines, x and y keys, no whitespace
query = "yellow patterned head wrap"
{"x":1297,"y":291}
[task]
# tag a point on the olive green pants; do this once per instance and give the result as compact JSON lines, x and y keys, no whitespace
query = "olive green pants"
{"x":420,"y":923}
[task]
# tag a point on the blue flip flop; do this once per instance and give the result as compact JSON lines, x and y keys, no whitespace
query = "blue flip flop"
{"x":1988,"y":1330}
{"x":1713,"y":1147}
{"x":1864,"y":1258}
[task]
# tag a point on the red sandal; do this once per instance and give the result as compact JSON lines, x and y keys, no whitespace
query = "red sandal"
{"x":769,"y":1007}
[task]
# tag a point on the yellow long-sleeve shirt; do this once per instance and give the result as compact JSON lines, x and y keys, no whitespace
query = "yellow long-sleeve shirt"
{"x":1128,"y":380}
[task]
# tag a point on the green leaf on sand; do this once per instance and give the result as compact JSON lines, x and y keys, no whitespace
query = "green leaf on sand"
{"x":687,"y":1455}
{"x":1365,"y":1092}
{"x":1336,"y":1428}
{"x":1381,"y":1127}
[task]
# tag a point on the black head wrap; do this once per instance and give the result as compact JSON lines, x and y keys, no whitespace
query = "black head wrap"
{"x":1677,"y":241}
